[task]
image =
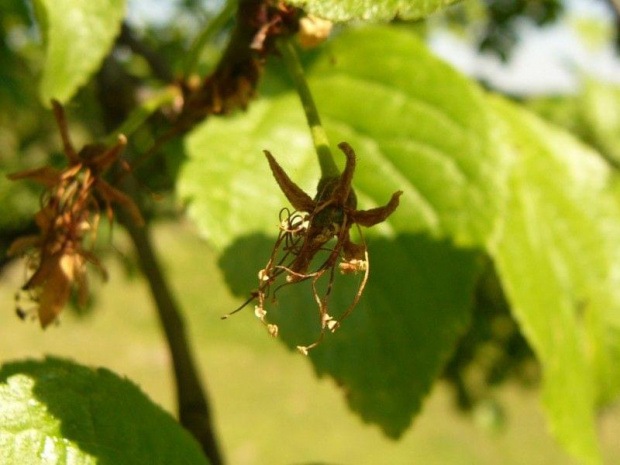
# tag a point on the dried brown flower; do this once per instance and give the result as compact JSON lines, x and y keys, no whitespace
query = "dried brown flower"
{"x":67,"y":222}
{"x":330,"y":215}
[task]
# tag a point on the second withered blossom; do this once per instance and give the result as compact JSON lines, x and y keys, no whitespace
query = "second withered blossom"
{"x":311,"y":230}
{"x":67,"y":225}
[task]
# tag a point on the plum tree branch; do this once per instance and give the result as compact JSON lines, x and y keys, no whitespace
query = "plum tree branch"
{"x":192,"y":401}
{"x":193,"y":405}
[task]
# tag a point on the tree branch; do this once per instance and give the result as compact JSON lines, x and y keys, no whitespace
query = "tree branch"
{"x":192,"y":403}
{"x":115,"y":96}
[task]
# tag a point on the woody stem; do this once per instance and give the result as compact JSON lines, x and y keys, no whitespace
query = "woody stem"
{"x":194,"y":408}
{"x":319,"y":136}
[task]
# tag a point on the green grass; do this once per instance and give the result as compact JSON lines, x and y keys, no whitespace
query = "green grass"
{"x":269,"y":406}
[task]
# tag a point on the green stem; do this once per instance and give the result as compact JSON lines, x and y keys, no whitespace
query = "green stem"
{"x":319,"y":136}
{"x":216,"y":24}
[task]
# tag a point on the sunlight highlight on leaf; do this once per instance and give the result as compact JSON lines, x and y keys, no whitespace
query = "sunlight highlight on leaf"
{"x":557,"y":257}
{"x":55,"y":411}
{"x":78,"y":35}
{"x":371,"y":10}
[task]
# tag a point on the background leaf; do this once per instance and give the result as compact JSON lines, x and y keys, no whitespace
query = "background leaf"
{"x":370,"y":10}
{"x":417,"y":303}
{"x":557,"y":257}
{"x":78,"y":35}
{"x":55,"y":411}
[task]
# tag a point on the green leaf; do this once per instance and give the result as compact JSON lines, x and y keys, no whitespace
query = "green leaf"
{"x":55,"y":411}
{"x":600,"y":104}
{"x":371,"y":10}
{"x":557,"y":257}
{"x":408,"y":116}
{"x":388,"y":353}
{"x":78,"y":35}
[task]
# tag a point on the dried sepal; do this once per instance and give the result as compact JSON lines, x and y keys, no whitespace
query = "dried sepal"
{"x":61,"y":120}
{"x":45,"y":175}
{"x":113,"y":195}
{"x":342,"y":190}
{"x":298,"y":198}
{"x":377,"y":215}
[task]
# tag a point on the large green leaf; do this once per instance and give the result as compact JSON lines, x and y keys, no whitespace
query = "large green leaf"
{"x":55,"y":411}
{"x":371,"y":10}
{"x":408,"y":117}
{"x":391,"y":349}
{"x":557,"y":257}
{"x":78,"y":33}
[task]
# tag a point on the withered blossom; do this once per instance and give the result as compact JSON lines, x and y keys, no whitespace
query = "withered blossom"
{"x":67,"y":223}
{"x":330,"y":215}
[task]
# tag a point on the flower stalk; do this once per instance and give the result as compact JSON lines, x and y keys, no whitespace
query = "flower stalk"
{"x":319,"y":136}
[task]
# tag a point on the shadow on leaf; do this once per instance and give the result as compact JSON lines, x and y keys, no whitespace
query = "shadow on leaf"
{"x":75,"y":413}
{"x":394,"y":345}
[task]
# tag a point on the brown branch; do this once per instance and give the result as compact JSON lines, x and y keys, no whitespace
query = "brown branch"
{"x":231,"y":86}
{"x":233,"y":83}
{"x":192,"y":402}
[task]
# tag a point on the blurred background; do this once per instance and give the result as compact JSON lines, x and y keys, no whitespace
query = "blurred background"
{"x":559,"y":57}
